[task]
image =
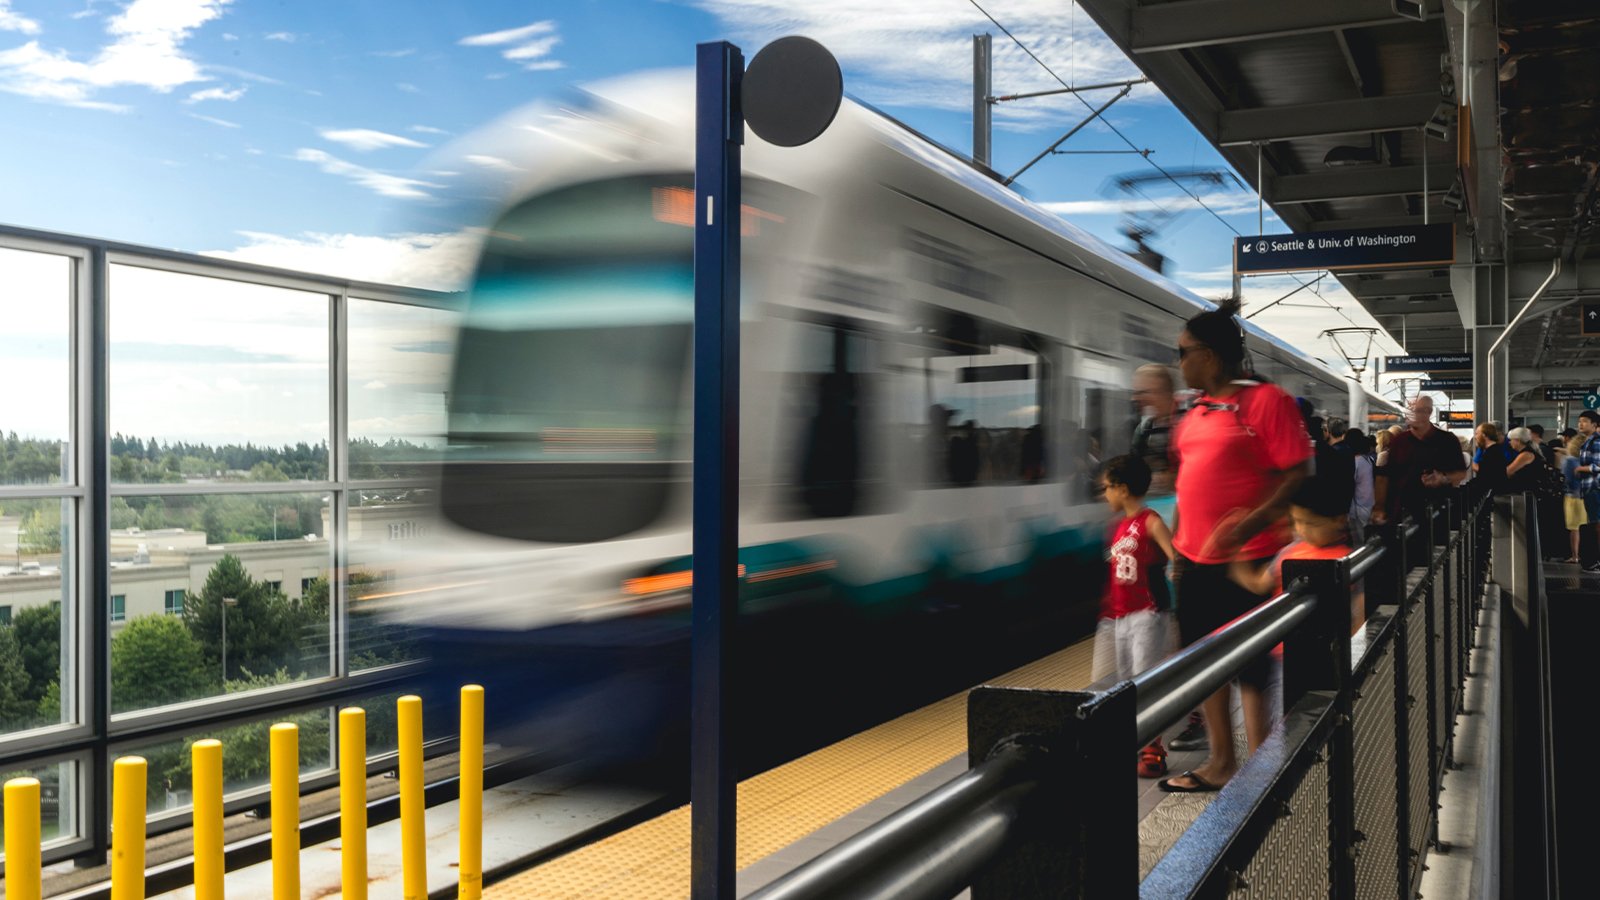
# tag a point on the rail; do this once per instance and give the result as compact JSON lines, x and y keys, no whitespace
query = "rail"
{"x":1341,"y":796}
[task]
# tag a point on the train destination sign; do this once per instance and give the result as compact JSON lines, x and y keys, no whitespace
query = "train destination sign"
{"x":1591,"y":318}
{"x":1400,"y":247}
{"x":1447,"y":384}
{"x":1565,"y":392}
{"x":1429,"y":362}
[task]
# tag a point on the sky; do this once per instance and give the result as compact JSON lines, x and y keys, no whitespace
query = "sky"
{"x":308,"y":136}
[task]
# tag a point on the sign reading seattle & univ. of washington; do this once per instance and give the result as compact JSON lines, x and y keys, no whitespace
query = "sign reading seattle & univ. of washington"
{"x":1428,"y":362}
{"x":1401,"y":247}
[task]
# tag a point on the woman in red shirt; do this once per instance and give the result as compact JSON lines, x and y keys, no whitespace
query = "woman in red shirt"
{"x":1240,"y":454}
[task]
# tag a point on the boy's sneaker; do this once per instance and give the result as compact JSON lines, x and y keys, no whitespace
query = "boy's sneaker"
{"x":1153,"y":760}
{"x":1193,"y":735}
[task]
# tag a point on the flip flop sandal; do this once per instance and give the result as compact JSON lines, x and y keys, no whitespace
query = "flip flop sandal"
{"x":1201,"y":786}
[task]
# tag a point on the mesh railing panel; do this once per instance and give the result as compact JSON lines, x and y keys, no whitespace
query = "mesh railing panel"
{"x":1292,"y":862}
{"x":1416,"y":712}
{"x":1441,"y":681}
{"x":1376,"y":782}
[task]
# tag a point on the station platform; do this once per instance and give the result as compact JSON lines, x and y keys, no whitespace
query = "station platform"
{"x":795,"y":812}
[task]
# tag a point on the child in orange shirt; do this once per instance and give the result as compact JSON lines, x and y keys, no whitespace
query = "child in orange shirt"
{"x":1319,"y":512}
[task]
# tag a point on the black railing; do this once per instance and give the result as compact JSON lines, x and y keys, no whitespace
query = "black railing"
{"x":1338,"y":802}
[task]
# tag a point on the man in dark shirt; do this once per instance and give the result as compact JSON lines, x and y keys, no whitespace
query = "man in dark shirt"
{"x":1423,"y":462}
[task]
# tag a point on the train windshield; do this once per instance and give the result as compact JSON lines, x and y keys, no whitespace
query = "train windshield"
{"x":575,"y":343}
{"x":568,"y":419}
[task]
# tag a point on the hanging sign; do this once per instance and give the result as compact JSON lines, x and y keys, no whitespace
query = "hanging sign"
{"x":1429,"y":362}
{"x":1400,"y":247}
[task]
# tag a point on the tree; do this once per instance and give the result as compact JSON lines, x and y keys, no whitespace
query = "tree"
{"x":16,"y":710}
{"x":263,"y":628}
{"x":41,"y":529}
{"x":154,"y":660}
{"x":38,"y":630}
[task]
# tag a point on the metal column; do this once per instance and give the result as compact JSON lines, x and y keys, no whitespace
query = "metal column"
{"x":719,"y":132}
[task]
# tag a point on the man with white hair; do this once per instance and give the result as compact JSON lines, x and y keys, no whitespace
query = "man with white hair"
{"x":1423,"y":462}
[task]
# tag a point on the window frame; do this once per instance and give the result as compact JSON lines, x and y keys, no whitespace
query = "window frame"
{"x":89,"y":737}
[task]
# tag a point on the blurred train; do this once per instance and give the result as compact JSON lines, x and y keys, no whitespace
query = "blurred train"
{"x":931,"y":369}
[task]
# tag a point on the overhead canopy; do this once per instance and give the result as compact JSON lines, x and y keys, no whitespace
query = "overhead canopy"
{"x":1337,"y":98}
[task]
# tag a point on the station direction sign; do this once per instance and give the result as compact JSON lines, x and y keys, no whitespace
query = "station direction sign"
{"x":1429,"y":362}
{"x":1591,"y":318}
{"x":1569,"y":393}
{"x":1447,"y":384}
{"x":1400,"y":247}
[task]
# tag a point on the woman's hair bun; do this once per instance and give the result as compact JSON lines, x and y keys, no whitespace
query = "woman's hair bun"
{"x":1229,"y":306}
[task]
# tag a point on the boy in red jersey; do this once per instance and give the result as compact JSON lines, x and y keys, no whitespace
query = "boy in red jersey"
{"x":1133,"y":634}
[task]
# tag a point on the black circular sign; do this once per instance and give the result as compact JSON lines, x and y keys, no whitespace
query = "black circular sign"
{"x":791,"y":91}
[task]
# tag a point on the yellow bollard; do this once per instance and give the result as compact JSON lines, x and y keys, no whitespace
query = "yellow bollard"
{"x":413,"y":834}
{"x":353,"y":802}
{"x":22,"y":839}
{"x":471,"y":883}
{"x":206,"y":765}
{"x":127,"y":828}
{"x":285,"y":753}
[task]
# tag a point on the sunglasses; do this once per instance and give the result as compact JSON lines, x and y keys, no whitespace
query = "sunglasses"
{"x":1185,"y":351}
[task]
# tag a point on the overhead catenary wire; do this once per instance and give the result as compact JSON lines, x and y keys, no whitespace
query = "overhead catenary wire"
{"x":1126,"y":140}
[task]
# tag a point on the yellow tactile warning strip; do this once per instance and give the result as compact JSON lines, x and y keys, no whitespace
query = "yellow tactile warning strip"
{"x":778,"y":807}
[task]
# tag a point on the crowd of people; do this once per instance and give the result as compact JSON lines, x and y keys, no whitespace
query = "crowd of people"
{"x":1260,"y":479}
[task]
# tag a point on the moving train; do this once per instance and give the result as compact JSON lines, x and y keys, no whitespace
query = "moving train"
{"x":931,"y":369}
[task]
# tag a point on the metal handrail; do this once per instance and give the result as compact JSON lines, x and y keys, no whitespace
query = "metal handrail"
{"x":1167,"y":692}
{"x":966,"y":821}
{"x":934,"y":847}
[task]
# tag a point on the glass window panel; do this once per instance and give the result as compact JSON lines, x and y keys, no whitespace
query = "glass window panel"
{"x":35,"y":367}
{"x":57,"y":800}
{"x":216,"y":380}
{"x":387,"y":529}
{"x":196,"y":552}
{"x":245,"y":758}
{"x":36,"y":537}
{"x":399,"y":370}
{"x":441,"y":718}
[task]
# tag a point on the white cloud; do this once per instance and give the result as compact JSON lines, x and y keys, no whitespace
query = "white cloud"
{"x":408,"y":87}
{"x":375,"y":385}
{"x":527,"y":46}
{"x":381,"y":183}
{"x":427,"y":129}
{"x":286,"y":37}
{"x":214,"y":120}
{"x":919,"y":54}
{"x":394,"y":54}
{"x":365,"y":139}
{"x":229,"y":36}
{"x":494,"y":163}
{"x":146,"y":50}
{"x":11,"y":21}
{"x":510,"y":35}
{"x":434,"y":261}
{"x":216,"y":93}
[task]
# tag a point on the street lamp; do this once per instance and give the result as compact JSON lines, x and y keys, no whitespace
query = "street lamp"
{"x":226,"y":602}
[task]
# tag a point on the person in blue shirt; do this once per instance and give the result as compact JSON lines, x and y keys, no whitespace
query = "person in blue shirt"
{"x":1588,"y":471}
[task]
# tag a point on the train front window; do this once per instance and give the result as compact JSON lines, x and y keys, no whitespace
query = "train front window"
{"x":567,"y":407}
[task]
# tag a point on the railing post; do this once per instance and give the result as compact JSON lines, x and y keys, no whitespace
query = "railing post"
{"x":1088,"y":846}
{"x":1316,"y":657}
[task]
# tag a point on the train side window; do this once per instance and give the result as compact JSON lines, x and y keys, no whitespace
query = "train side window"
{"x":984,"y":386}
{"x":832,"y":393}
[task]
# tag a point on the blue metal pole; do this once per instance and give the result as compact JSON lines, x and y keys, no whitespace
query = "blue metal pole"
{"x":719,"y":132}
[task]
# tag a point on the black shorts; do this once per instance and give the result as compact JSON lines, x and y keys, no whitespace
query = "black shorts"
{"x":1208,"y":599}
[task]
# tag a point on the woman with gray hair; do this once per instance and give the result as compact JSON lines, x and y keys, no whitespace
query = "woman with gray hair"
{"x":1523,"y":471}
